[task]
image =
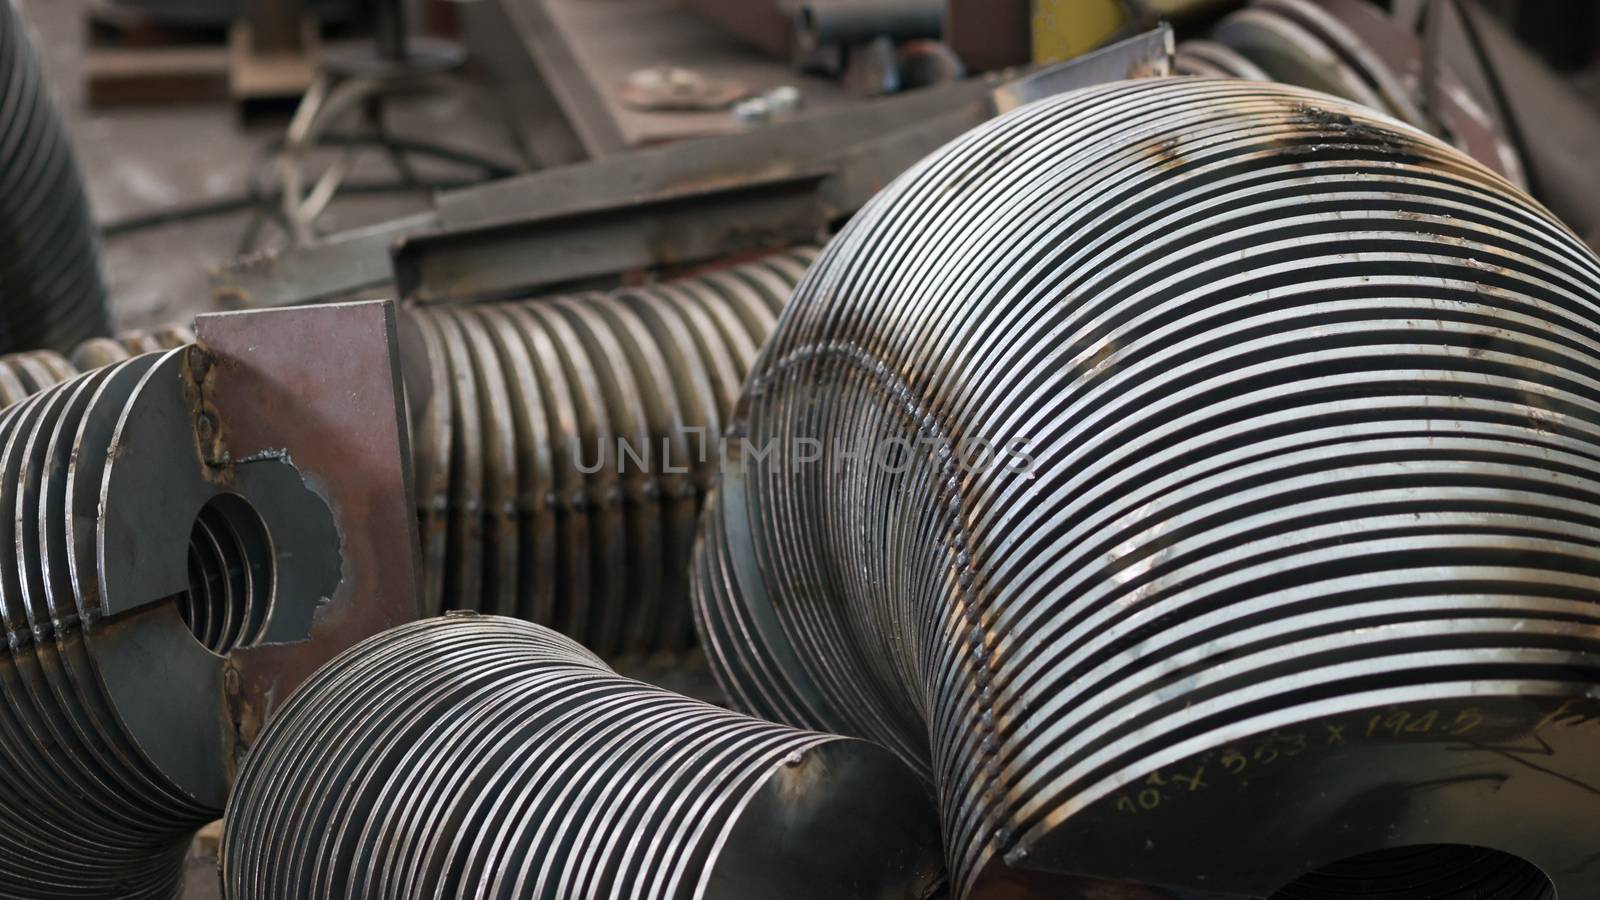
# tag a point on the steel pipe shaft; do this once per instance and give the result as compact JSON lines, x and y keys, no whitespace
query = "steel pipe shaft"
{"x":562,"y":445}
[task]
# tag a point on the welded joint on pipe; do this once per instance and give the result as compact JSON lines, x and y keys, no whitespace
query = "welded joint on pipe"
{"x":199,"y":381}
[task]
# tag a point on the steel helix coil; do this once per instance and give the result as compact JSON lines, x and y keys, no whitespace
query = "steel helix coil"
{"x":109,"y":738}
{"x":563,"y":446}
{"x":1302,"y":42}
{"x":24,"y":374}
{"x":1352,"y":49}
{"x":52,"y":291}
{"x":1209,"y":59}
{"x":480,"y":756}
{"x":1196,"y":480}
{"x":103,"y":351}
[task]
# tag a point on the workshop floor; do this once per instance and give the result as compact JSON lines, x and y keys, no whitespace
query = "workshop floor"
{"x":140,"y":159}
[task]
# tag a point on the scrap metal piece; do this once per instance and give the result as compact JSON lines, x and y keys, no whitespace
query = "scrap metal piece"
{"x":188,"y":533}
{"x":688,"y":202}
{"x":1148,"y":55}
{"x":779,"y":101}
{"x":320,"y":388}
{"x":337,"y":266}
{"x":481,"y":756}
{"x":702,"y":200}
{"x":1177,"y":448}
{"x":674,"y":87}
{"x":489,"y":259}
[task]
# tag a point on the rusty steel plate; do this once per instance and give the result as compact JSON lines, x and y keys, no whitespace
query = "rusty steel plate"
{"x":320,"y":388}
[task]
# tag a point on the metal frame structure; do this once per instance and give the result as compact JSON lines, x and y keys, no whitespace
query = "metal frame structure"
{"x":686,"y":202}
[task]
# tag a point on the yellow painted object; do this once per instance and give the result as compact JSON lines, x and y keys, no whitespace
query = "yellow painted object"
{"x":1063,"y":29}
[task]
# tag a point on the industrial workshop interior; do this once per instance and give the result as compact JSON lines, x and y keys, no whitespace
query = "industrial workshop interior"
{"x":800,"y":449}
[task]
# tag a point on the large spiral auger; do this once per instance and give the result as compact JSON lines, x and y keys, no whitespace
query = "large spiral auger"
{"x":1196,"y":481}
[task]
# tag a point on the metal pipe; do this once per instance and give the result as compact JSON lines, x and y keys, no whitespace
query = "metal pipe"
{"x":855,"y":21}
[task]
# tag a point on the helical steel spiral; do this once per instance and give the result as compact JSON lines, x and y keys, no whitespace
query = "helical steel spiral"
{"x":478,"y":756}
{"x":1209,"y":59}
{"x":52,"y":291}
{"x":103,"y":351}
{"x":105,"y":741}
{"x":1196,"y":480}
{"x":24,"y":374}
{"x":62,"y":736}
{"x":1353,"y":49}
{"x":563,"y":447}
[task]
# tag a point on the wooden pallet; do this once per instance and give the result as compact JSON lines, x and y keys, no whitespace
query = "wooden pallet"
{"x":130,"y":60}
{"x":133,"y":61}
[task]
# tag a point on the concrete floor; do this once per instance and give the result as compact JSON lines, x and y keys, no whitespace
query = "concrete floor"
{"x":137,"y":160}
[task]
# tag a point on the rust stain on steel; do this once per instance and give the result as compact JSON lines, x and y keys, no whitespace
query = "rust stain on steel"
{"x":1165,"y":153}
{"x":319,"y":387}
